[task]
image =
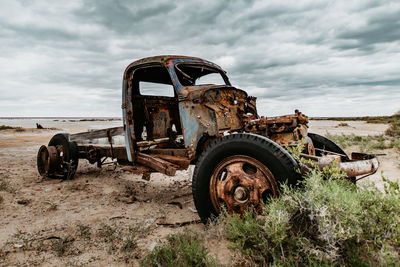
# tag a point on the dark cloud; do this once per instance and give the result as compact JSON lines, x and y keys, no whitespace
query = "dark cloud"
{"x":312,"y":55}
{"x":384,"y":28}
{"x":121,"y":16}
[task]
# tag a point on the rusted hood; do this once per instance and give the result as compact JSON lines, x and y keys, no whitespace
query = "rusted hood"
{"x":198,"y":91}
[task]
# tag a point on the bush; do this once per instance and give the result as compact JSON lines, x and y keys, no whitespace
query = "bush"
{"x":327,"y":222}
{"x":394,"y":126}
{"x":366,"y":143}
{"x":5,"y":127}
{"x":180,"y":250}
{"x":394,"y":129}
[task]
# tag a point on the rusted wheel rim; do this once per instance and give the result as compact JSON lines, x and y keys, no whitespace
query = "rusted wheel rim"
{"x":48,"y":160}
{"x":43,"y":161}
{"x":240,"y":183}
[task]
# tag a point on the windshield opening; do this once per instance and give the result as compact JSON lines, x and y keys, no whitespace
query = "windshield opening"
{"x":190,"y":75}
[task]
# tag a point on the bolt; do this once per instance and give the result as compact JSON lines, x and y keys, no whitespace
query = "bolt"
{"x":240,"y":194}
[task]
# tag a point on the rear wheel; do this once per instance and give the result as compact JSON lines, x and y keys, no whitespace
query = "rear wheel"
{"x":68,"y":154}
{"x":240,"y":172}
{"x":59,"y":159}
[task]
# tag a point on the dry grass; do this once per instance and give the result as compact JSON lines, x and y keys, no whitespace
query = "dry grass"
{"x":7,"y":187}
{"x":185,"y":249}
{"x":6,"y":127}
{"x":84,"y":231}
{"x":366,"y":143}
{"x":17,"y":129}
{"x":119,"y":240}
{"x":368,"y":119}
{"x":394,"y":129}
{"x":52,"y":206}
{"x":61,"y":245}
{"x":343,"y":124}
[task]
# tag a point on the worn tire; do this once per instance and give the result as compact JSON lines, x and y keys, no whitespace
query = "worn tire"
{"x":322,"y":142}
{"x":70,"y":156}
{"x":281,"y":164}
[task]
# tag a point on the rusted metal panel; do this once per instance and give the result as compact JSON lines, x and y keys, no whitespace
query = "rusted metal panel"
{"x":228,"y":105}
{"x":79,"y":137}
{"x":209,"y":110}
{"x":181,"y":152}
{"x":127,"y":113}
{"x":196,"y":121}
{"x":182,"y":162}
{"x":156,"y":164}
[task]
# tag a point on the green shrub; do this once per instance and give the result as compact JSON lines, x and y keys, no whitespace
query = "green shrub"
{"x":111,"y":234}
{"x":394,"y":129}
{"x":366,"y":143}
{"x":180,"y":250}
{"x":5,"y":127}
{"x":327,"y":222}
{"x":394,"y":126}
{"x":368,"y":119}
{"x":129,"y":245}
{"x":391,"y":188}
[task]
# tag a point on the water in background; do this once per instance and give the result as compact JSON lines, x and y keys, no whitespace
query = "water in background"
{"x":66,"y":125}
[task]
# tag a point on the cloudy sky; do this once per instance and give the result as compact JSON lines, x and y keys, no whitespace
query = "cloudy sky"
{"x":326,"y":58}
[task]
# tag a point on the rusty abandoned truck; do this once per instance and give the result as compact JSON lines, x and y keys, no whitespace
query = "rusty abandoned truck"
{"x":241,"y":158}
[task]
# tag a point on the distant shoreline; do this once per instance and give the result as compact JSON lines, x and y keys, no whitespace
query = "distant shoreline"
{"x":60,"y":118}
{"x":369,"y":119}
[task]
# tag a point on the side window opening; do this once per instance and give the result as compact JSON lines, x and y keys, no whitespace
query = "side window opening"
{"x":156,"y":89}
{"x":152,"y":81}
{"x":154,"y":104}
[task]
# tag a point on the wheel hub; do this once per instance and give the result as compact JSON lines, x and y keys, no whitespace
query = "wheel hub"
{"x":241,"y":194}
{"x":240,"y":183}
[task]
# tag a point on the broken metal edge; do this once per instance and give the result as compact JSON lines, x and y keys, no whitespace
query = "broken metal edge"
{"x":352,"y":168}
{"x":360,"y":167}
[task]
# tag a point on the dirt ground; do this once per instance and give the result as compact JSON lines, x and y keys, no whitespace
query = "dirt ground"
{"x":89,"y":221}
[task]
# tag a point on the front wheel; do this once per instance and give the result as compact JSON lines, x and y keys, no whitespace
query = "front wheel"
{"x":240,"y":172}
{"x":323,"y":145}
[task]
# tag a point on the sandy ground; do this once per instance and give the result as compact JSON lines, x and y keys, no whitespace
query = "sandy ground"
{"x":63,"y":223}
